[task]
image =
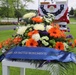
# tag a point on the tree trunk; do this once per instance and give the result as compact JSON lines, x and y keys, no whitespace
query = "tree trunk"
{"x":18,"y":19}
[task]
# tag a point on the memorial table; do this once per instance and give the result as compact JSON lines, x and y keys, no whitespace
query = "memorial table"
{"x":6,"y":64}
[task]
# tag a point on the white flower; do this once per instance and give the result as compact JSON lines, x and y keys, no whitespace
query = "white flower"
{"x":44,"y":38}
{"x":3,"y":50}
{"x":36,"y":37}
{"x":65,"y":46}
{"x":50,"y":18}
{"x":21,"y":30}
{"x":45,"y":43}
{"x":29,"y":15}
{"x":39,"y":27}
{"x":48,"y":27}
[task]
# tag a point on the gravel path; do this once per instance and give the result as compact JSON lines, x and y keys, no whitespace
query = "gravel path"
{"x":11,"y":27}
{"x":7,"y":27}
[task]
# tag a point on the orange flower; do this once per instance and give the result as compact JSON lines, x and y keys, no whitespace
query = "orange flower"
{"x":7,"y":42}
{"x":17,"y":40}
{"x":55,"y":32}
{"x":69,"y":40}
{"x":63,"y":34}
{"x":75,"y":42}
{"x":31,"y":43}
{"x":0,"y":45}
{"x":37,"y":19}
{"x":32,"y":32}
{"x":59,"y":46}
{"x":55,"y":25}
{"x":73,"y":45}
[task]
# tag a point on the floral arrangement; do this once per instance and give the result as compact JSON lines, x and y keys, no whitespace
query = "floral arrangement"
{"x":40,"y":32}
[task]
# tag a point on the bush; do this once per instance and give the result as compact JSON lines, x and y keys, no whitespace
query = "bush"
{"x":6,"y":23}
{"x":11,"y":23}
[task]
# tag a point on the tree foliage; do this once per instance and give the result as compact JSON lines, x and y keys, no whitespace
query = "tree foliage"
{"x":75,"y":13}
{"x":13,"y":8}
{"x":71,"y":11}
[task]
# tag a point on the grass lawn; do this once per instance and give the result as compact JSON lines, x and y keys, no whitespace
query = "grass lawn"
{"x":72,"y":19}
{"x":6,"y":34}
{"x":72,"y":29}
{"x":15,"y":71}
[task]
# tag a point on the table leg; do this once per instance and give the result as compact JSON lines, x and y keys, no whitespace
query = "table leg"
{"x":22,"y":71}
{"x":5,"y":70}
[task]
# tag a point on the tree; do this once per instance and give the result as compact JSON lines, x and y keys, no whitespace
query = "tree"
{"x":75,"y":13}
{"x":8,"y":6}
{"x":19,"y":13}
{"x":71,"y":11}
{"x":13,"y":8}
{"x":20,"y":7}
{"x":3,"y":11}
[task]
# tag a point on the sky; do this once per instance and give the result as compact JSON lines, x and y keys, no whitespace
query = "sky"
{"x":71,"y":3}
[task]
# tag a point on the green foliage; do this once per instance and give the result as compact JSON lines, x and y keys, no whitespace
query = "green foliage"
{"x":7,"y":8}
{"x":71,"y":11}
{"x":75,"y":13}
{"x":12,"y":8}
{"x":3,"y":11}
{"x":19,"y":13}
{"x":60,"y":68}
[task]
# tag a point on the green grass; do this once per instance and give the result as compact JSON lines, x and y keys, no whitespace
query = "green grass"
{"x":6,"y":34}
{"x":16,"y":71}
{"x":72,"y":19}
{"x":73,"y":29}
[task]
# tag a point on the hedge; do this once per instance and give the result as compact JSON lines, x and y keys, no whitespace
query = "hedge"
{"x":11,"y":23}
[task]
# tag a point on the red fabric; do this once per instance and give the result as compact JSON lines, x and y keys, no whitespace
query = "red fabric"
{"x":64,"y":17}
{"x":51,"y":5}
{"x":39,"y":13}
